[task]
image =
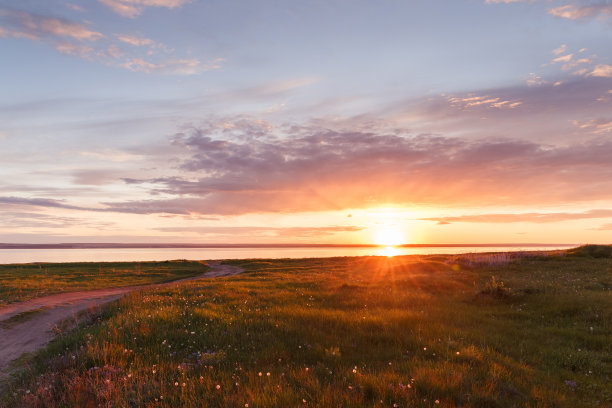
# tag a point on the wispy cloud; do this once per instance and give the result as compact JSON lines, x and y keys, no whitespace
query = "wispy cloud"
{"x":40,"y":202}
{"x":538,"y":218}
{"x":596,"y":126}
{"x":560,"y":50}
{"x":472,"y":101}
{"x":135,"y":40}
{"x":572,"y":9}
{"x":172,"y":66}
{"x":133,"y":8}
{"x":22,"y":219}
{"x":580,"y":64}
{"x":579,"y":10}
{"x":252,"y":232}
{"x":74,"y":7}
{"x":78,"y":40}
{"x":21,"y":24}
{"x":77,"y":50}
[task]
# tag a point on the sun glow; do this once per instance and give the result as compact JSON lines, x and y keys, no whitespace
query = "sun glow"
{"x":389,"y":252}
{"x":388,"y":235}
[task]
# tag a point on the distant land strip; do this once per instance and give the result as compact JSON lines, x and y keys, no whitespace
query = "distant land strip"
{"x":78,"y":245}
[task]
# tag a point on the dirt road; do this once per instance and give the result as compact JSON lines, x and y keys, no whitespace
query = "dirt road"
{"x":35,"y":332}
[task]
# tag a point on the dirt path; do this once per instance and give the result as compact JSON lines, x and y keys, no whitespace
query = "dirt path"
{"x":36,"y":331}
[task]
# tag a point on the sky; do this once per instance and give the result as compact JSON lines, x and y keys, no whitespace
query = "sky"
{"x":280,"y":121}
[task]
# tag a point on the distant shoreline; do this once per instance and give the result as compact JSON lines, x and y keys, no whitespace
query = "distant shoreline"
{"x":183,"y":245}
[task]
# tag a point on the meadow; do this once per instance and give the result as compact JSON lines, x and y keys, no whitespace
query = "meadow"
{"x":509,"y":330}
{"x":19,"y":282}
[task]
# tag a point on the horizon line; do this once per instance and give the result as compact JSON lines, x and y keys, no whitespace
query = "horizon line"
{"x":109,"y":245}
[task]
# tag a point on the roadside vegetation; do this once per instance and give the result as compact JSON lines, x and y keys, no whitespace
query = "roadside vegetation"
{"x":447,"y":331}
{"x":19,"y":282}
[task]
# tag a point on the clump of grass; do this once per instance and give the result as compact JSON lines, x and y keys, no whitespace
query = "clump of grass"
{"x":342,"y":332}
{"x":495,"y":289}
{"x":592,"y":251}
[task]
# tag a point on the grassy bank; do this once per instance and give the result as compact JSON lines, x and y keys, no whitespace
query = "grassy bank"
{"x":20,"y":282}
{"x":346,"y":332}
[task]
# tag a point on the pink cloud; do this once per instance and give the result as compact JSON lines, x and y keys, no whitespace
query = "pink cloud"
{"x":35,"y":26}
{"x":81,"y":51}
{"x":76,"y":39}
{"x":577,"y":11}
{"x":538,"y":218}
{"x":171,"y":66}
{"x":252,"y":232}
{"x":133,"y":8}
{"x":602,"y":70}
{"x":135,"y":41}
{"x":596,"y":126}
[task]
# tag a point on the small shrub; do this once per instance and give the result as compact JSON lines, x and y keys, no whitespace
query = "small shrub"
{"x":496,"y":289}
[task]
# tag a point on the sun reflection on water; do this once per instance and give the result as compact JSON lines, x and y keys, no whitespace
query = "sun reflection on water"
{"x":389,"y":251}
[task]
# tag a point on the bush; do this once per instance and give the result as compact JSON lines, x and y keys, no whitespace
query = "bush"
{"x":496,"y":289}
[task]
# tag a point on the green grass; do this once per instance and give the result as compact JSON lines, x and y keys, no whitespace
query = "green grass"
{"x":20,"y":282}
{"x":345,"y":332}
{"x":592,"y":251}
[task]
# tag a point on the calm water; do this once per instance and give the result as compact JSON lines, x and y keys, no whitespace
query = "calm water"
{"x":163,"y":254}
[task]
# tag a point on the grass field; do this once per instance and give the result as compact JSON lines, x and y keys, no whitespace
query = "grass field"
{"x":474,"y":331}
{"x":20,"y":282}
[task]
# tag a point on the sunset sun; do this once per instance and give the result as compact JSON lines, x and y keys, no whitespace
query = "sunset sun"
{"x":388,"y":235}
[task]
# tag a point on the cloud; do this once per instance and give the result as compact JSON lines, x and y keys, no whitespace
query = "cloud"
{"x":77,"y":50}
{"x":133,"y":8}
{"x":172,"y":66}
{"x":560,"y":50}
{"x":21,"y":219}
{"x":564,"y":58}
{"x":283,"y":86}
{"x":535,"y":80}
{"x":472,"y":101}
{"x":74,"y":7}
{"x":571,"y":61}
{"x":538,"y":218}
{"x":546,"y":111}
{"x":33,"y":26}
{"x":40,"y":202}
{"x":580,"y":11}
{"x":602,"y":70}
{"x":595,"y":126}
{"x":605,"y":227}
{"x":77,"y":40}
{"x":466,"y":152}
{"x":573,"y":10}
{"x":252,"y":232}
{"x":135,"y":41}
{"x":251,"y":166}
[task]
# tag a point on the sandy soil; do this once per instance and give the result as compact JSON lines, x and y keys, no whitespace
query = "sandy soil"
{"x":36,"y":332}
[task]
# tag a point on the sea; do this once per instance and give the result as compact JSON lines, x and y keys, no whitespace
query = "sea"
{"x":11,"y":256}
